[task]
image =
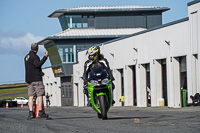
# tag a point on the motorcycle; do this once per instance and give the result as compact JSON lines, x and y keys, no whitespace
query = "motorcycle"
{"x":100,"y":92}
{"x":195,"y":99}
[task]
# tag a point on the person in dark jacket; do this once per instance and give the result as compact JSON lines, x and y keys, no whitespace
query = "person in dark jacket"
{"x":33,"y":78}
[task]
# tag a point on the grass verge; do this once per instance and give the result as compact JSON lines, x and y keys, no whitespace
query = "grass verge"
{"x":13,"y":90}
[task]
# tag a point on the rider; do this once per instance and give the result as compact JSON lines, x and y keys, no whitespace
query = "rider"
{"x":95,"y":57}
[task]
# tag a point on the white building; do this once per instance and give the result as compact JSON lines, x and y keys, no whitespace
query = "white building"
{"x":158,"y":58}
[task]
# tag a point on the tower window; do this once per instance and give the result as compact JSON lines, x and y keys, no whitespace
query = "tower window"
{"x":80,"y":21}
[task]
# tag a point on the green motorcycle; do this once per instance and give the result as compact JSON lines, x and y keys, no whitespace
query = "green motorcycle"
{"x":100,"y":92}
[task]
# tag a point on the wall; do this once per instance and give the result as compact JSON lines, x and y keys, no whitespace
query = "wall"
{"x":165,"y":42}
{"x":194,"y":75}
{"x":52,"y":86}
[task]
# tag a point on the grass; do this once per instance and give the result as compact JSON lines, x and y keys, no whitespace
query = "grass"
{"x":13,"y":90}
{"x":11,"y":85}
{"x":13,"y":96}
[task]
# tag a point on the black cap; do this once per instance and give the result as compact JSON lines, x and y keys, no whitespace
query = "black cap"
{"x":34,"y":46}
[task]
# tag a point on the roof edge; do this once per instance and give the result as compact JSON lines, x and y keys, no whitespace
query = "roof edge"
{"x":193,"y":2}
{"x":61,"y":12}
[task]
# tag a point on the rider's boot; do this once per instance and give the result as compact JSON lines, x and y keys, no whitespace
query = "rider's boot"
{"x":113,"y":102}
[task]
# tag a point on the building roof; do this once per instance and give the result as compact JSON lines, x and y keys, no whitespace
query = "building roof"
{"x":91,"y":33}
{"x":95,"y":9}
{"x":193,"y":2}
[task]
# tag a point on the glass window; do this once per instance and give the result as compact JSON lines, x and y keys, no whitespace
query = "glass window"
{"x":70,"y":91}
{"x":60,"y":51}
{"x":74,"y":21}
{"x":85,"y":22}
{"x":63,"y":22}
{"x":91,"y":21}
{"x":78,"y":21}
{"x":63,"y":91}
{"x":66,"y":50}
{"x":66,"y":89}
{"x":67,"y":53}
{"x":71,"y":57}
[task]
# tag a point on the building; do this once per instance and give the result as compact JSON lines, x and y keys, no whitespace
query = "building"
{"x":84,"y":27}
{"x":157,"y":59}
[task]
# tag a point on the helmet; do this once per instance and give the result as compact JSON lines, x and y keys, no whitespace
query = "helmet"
{"x":94,"y":50}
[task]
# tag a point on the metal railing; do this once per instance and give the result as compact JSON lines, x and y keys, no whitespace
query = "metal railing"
{"x":12,"y":82}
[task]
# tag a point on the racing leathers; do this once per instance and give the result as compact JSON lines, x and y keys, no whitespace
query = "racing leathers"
{"x":92,"y":66}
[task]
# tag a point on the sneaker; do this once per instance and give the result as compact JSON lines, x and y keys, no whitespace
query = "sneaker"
{"x":30,"y":116}
{"x":42,"y":115}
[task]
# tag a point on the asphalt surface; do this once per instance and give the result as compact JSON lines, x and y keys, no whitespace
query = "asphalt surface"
{"x":120,"y":119}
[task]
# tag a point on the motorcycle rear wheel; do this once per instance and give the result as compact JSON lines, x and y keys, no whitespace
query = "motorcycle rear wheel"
{"x":102,"y":100}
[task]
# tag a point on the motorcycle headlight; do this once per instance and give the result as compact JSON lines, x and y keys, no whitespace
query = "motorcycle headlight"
{"x":105,"y":81}
{"x":94,"y":82}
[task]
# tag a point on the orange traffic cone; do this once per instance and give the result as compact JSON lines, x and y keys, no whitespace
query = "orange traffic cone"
{"x":22,"y":105}
{"x":6,"y":104}
{"x":36,"y":112}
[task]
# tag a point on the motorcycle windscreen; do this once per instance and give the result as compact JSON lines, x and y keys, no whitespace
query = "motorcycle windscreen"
{"x":97,"y":74}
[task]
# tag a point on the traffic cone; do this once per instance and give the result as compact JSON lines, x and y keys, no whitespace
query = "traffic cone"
{"x":22,"y":105}
{"x":36,"y":112}
{"x":6,"y":104}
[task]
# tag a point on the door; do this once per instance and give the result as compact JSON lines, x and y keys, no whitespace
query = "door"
{"x":67,"y":92}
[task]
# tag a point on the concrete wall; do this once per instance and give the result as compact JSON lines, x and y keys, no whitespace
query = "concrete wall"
{"x":194,"y":15}
{"x":52,"y":86}
{"x":167,"y":42}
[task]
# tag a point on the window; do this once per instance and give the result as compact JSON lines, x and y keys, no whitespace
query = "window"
{"x":60,"y":51}
{"x":85,"y":22}
{"x":67,"y":53}
{"x":74,"y":21}
{"x":91,"y":21}
{"x":78,"y":21}
{"x":66,"y":89}
{"x":70,"y":91}
{"x":63,"y":91}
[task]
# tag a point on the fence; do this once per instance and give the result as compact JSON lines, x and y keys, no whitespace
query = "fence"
{"x":12,"y":82}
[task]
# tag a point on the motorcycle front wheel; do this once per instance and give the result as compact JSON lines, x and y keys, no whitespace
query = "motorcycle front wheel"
{"x":102,"y":100}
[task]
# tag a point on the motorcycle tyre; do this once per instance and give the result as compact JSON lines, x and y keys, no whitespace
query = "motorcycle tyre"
{"x":102,"y":100}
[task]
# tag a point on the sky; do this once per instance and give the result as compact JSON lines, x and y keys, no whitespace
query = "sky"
{"x":23,"y":22}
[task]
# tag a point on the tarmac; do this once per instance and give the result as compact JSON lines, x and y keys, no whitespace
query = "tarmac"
{"x":120,"y":119}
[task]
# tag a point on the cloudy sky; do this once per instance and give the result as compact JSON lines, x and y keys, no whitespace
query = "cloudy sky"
{"x":24,"y":22}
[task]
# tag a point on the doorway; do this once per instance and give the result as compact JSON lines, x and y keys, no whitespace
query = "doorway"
{"x":134,"y":86}
{"x":67,"y":91}
{"x":148,"y":88}
{"x":122,"y":85}
{"x":183,"y":78}
{"x":164,"y":81}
